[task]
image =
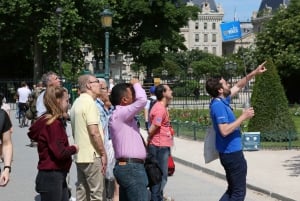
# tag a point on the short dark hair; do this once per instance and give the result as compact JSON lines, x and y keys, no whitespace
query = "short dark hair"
{"x":159,"y":91}
{"x":23,"y":84}
{"x":118,"y":92}
{"x":212,"y":86}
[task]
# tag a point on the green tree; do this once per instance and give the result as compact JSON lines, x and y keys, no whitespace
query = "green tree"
{"x":270,"y":104}
{"x":202,"y":63}
{"x":29,"y":31}
{"x":280,"y":40}
{"x":148,"y":29}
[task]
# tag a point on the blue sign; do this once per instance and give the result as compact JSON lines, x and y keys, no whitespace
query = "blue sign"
{"x":231,"y":30}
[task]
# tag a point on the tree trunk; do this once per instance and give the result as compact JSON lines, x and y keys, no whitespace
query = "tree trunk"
{"x":37,"y":60}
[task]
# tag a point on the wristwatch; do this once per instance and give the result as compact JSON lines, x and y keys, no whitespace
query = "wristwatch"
{"x":8,"y":167}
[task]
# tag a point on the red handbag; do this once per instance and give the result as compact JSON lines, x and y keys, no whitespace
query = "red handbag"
{"x":171,"y":166}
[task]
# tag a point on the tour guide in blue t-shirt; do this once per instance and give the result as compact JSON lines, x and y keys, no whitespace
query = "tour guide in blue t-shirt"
{"x":228,"y":134}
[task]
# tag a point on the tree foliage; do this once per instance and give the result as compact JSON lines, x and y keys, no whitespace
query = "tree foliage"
{"x":146,"y":29}
{"x":202,"y":63}
{"x":30,"y":30}
{"x":280,"y":40}
{"x":270,"y":104}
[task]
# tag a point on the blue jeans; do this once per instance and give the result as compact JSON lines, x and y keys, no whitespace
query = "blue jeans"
{"x":235,"y":167}
{"x":52,"y":185}
{"x":133,"y":181}
{"x":161,"y":154}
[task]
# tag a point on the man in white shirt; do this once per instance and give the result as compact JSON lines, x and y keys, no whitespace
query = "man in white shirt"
{"x":23,"y":93}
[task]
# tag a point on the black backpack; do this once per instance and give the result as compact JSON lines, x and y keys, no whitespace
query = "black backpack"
{"x":152,"y":102}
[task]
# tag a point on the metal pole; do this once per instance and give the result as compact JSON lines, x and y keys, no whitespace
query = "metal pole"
{"x":58,"y":12}
{"x":59,"y":54}
{"x":106,"y":75}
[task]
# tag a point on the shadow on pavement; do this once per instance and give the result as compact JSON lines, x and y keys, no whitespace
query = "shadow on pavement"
{"x":293,"y":166}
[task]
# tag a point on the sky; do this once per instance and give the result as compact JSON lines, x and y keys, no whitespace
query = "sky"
{"x":244,"y":9}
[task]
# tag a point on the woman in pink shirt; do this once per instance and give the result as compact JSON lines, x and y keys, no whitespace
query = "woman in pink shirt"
{"x":160,"y":137}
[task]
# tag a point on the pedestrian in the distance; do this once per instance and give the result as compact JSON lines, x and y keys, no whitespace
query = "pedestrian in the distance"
{"x":228,"y":133}
{"x":53,"y":147}
{"x":23,"y":94}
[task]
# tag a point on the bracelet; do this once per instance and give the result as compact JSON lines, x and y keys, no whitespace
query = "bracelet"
{"x":8,"y":167}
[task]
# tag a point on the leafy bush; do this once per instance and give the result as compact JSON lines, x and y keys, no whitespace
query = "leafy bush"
{"x":270,"y":104}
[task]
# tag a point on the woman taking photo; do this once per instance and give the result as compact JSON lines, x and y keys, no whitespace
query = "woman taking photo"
{"x":53,"y":147}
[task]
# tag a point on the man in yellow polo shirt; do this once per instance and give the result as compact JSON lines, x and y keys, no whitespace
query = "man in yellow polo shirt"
{"x":91,"y":159}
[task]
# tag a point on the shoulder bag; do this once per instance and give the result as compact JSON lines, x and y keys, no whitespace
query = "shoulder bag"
{"x":210,"y":151}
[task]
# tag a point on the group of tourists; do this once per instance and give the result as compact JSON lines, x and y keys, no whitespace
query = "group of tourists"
{"x":107,"y":147}
{"x":109,"y":150}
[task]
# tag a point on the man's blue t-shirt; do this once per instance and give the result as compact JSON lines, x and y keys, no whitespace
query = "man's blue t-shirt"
{"x":221,"y":112}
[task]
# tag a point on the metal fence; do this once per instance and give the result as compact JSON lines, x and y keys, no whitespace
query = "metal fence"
{"x":191,"y":93}
{"x":184,"y":99}
{"x":183,"y":92}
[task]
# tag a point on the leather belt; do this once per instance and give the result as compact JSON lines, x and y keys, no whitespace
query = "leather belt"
{"x":131,"y":160}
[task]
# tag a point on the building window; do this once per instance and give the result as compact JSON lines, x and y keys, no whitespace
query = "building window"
{"x":205,"y":38}
{"x":214,"y":38}
{"x":205,"y":25}
{"x":196,"y":37}
{"x":205,"y":49}
{"x":214,"y":50}
{"x":197,"y":25}
{"x":213,"y":26}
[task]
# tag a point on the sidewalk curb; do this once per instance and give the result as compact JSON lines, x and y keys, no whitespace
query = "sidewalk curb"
{"x":222,"y":176}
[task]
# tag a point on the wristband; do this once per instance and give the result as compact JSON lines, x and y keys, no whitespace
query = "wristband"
{"x":8,"y":167}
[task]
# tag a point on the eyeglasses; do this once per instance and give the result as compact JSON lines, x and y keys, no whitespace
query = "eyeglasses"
{"x":104,"y":88}
{"x":96,"y":81}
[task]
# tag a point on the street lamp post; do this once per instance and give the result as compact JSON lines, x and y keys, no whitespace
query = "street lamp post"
{"x":59,"y":10}
{"x":106,"y":21}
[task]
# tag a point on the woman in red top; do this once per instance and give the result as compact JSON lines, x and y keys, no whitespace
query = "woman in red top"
{"x":53,"y":147}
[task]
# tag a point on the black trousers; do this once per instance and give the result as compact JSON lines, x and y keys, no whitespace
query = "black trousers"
{"x":52,"y":185}
{"x":235,"y":167}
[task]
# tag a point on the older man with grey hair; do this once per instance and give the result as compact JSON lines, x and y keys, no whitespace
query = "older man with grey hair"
{"x":105,"y":110}
{"x":48,"y":79}
{"x":91,"y":160}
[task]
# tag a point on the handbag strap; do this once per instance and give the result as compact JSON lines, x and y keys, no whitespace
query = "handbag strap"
{"x":143,"y":141}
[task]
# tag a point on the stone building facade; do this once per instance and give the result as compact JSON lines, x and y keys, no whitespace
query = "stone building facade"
{"x":205,"y":33}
